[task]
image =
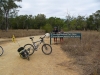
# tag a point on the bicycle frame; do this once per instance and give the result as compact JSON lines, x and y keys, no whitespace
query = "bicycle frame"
{"x":36,"y":46}
{"x":40,"y":41}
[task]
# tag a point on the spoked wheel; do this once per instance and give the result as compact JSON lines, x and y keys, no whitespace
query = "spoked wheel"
{"x":46,"y":49}
{"x":1,"y":50}
{"x":29,"y":48}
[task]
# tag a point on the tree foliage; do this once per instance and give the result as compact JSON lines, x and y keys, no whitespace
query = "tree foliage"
{"x":7,"y":8}
{"x":10,"y":19}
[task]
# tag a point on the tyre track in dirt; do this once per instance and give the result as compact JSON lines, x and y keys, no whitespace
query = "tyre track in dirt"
{"x":39,"y":63}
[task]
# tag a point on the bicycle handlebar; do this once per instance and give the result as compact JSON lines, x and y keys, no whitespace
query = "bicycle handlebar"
{"x":31,"y":38}
{"x":42,"y":37}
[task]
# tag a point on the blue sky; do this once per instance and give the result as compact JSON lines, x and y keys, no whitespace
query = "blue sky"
{"x":59,"y":8}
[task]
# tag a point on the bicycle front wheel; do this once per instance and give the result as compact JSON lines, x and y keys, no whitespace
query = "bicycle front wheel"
{"x":1,"y":50}
{"x":46,"y":49}
{"x":29,"y":48}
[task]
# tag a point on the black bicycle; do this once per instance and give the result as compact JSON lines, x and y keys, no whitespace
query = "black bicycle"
{"x":1,"y":51}
{"x":46,"y":48}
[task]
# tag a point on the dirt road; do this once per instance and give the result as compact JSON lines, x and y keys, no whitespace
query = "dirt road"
{"x":57,"y":63}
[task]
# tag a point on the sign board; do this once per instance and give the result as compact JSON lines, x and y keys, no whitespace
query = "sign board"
{"x":65,"y":35}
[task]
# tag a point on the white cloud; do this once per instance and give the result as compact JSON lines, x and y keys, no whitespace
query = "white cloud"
{"x":59,"y":8}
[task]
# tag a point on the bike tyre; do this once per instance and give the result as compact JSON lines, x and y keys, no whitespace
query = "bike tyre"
{"x":1,"y":51}
{"x":32,"y":50}
{"x":50,"y":48}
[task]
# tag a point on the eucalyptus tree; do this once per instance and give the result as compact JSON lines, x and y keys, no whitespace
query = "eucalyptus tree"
{"x":25,"y":18}
{"x":32,"y":22}
{"x":40,"y":21}
{"x":59,"y":23}
{"x":96,"y":17}
{"x":1,"y":15}
{"x":69,"y":18}
{"x":90,"y":23}
{"x":28,"y":22}
{"x":51,"y":21}
{"x":1,"y":18}
{"x":21,"y":21}
{"x":81,"y":23}
{"x":73,"y":24}
{"x":8,"y":7}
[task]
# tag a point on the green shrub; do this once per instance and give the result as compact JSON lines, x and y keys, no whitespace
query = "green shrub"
{"x":47,"y":28}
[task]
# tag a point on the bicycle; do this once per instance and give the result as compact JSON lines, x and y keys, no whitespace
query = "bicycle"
{"x":46,"y":48}
{"x":23,"y":53}
{"x":1,"y":51}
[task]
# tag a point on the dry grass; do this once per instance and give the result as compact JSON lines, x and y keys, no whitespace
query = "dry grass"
{"x":20,"y":33}
{"x":85,"y":52}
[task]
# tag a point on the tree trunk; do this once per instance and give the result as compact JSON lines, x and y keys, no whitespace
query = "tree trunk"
{"x":6,"y":23}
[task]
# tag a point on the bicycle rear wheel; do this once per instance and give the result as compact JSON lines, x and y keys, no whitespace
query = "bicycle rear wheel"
{"x":46,"y":49}
{"x":1,"y":50}
{"x":29,"y":48}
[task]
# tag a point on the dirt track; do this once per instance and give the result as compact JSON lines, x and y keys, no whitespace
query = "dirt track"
{"x":40,"y":64}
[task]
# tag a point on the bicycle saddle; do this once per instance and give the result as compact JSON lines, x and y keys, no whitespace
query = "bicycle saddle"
{"x":31,"y":37}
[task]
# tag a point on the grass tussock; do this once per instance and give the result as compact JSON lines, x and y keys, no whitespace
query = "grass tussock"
{"x":20,"y":33}
{"x":86,"y":52}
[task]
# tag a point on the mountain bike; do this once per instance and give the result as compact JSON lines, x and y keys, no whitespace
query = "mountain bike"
{"x":1,"y":50}
{"x":46,"y":48}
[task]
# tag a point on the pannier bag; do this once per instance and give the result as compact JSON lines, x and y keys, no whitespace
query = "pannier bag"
{"x":22,"y":52}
